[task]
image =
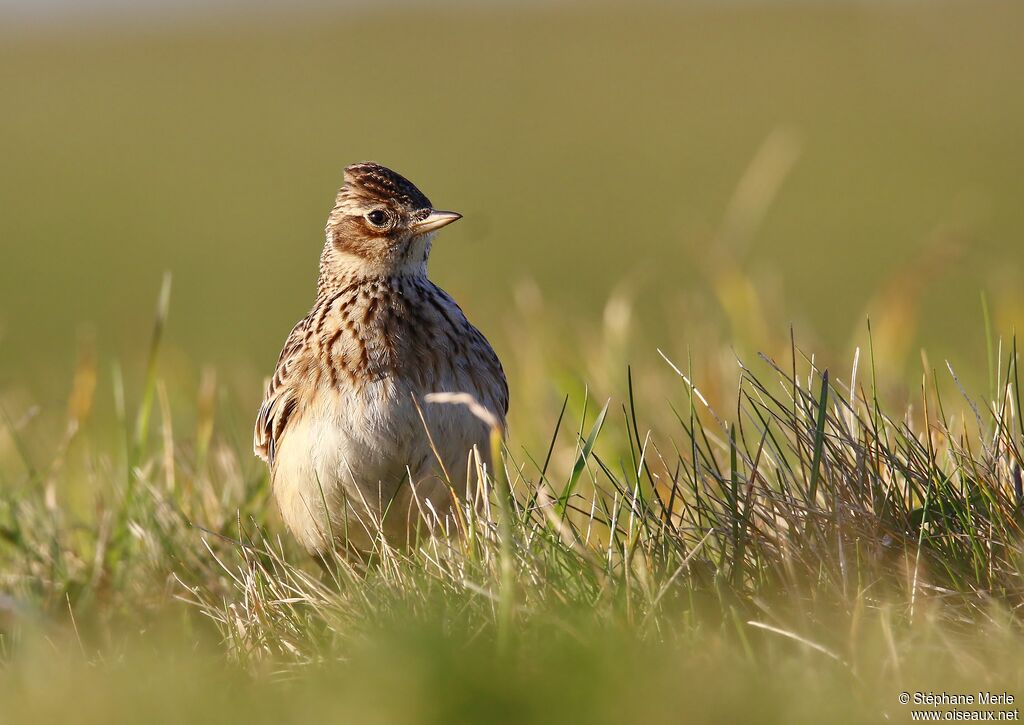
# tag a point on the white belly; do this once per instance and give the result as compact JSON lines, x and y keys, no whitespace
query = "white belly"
{"x":349,"y":467}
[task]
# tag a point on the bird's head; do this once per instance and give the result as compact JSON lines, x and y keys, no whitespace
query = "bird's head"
{"x":381,"y":224}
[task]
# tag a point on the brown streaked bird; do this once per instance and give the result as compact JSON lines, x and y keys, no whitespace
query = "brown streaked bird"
{"x":340,"y":423}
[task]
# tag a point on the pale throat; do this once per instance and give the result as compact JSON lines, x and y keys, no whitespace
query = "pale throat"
{"x":339,"y":268}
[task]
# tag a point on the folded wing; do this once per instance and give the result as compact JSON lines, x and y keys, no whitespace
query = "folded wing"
{"x":281,"y":398}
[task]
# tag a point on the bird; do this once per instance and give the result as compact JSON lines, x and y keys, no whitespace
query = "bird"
{"x":356,"y":451}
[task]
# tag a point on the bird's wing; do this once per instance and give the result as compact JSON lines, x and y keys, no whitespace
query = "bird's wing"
{"x":281,"y":397}
{"x":486,"y":356}
{"x":497,"y":373}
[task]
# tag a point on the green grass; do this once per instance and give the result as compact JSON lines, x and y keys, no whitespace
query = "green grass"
{"x":807,"y":555}
{"x":724,"y":497}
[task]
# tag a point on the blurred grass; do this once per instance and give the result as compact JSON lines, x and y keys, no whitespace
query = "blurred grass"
{"x":583,"y":144}
{"x":807,"y":556}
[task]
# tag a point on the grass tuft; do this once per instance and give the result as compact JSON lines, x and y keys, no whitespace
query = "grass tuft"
{"x":812,"y":525}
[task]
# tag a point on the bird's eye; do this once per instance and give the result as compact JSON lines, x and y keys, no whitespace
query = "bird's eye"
{"x":377,"y":218}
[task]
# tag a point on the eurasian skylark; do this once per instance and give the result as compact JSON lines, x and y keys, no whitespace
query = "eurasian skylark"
{"x":340,"y":425}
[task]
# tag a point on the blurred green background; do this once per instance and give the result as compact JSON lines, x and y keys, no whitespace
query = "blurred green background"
{"x":585,"y":145}
{"x":694,"y":178}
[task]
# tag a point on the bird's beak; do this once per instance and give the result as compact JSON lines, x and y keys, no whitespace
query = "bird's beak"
{"x":435,"y":221}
